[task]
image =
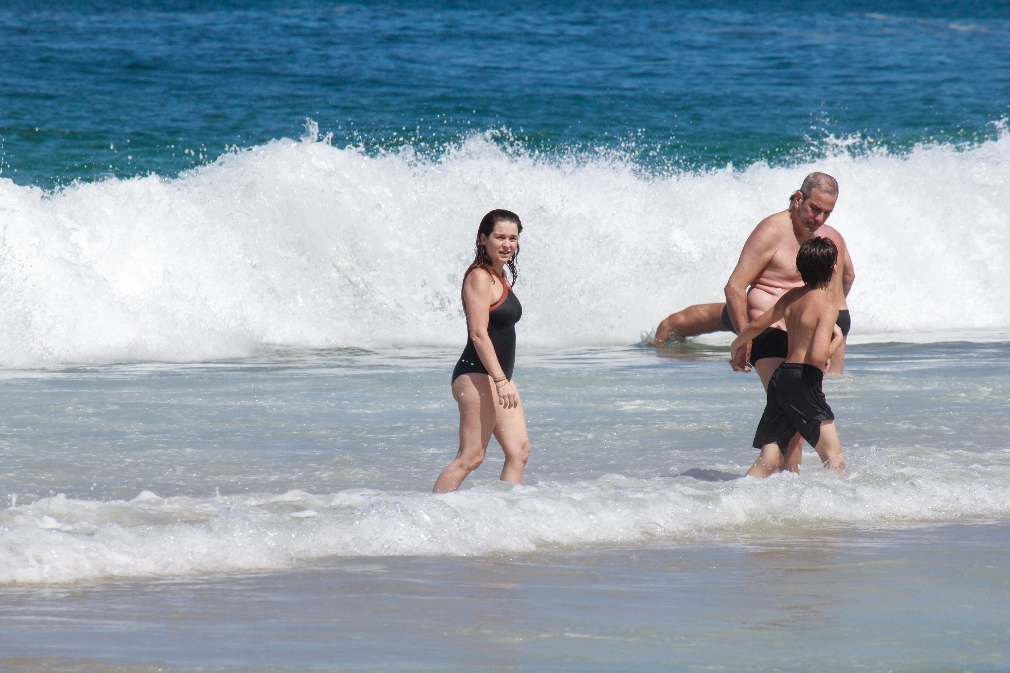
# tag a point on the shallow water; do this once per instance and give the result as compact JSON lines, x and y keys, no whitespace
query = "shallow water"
{"x":633,"y":543}
{"x":932,"y":598}
{"x":232,"y":241}
{"x":137,"y":470}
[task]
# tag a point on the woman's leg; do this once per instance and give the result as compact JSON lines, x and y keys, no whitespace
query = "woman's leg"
{"x":477,"y":411}
{"x":510,"y":431}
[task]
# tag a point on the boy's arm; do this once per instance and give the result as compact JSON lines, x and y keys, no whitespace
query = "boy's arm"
{"x":836,"y":340}
{"x":771,"y":316}
{"x":823,"y":341}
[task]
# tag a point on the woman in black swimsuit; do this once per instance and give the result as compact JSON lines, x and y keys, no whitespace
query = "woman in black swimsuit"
{"x":482,"y":380}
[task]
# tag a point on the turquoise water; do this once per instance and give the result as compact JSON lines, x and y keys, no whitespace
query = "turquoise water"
{"x":232,"y":241}
{"x":95,"y":89}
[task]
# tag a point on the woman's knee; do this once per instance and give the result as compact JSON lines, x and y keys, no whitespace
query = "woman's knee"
{"x":520,"y":452}
{"x":470,"y":462}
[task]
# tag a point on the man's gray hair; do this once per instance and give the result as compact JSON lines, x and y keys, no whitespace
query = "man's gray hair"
{"x":822,"y":182}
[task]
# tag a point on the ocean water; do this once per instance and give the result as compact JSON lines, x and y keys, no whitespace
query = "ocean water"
{"x":233,"y":235}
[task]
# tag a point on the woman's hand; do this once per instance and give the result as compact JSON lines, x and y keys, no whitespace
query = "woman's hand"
{"x":508,"y":395}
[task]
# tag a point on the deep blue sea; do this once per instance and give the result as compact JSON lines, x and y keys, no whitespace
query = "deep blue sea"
{"x":97,"y":89}
{"x":232,"y":236}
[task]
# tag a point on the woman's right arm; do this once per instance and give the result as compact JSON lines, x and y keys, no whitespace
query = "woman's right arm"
{"x":478,"y":289}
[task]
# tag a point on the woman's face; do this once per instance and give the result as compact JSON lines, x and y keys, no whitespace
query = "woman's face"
{"x":503,"y":242}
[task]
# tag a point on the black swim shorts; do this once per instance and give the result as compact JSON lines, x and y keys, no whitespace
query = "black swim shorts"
{"x":795,"y":404}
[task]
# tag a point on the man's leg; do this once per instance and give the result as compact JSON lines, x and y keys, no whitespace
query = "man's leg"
{"x":829,"y":448}
{"x":692,"y":321}
{"x":794,"y":454}
{"x":765,"y":367}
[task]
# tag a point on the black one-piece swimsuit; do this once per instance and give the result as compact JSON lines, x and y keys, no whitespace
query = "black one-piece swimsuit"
{"x":501,"y":328}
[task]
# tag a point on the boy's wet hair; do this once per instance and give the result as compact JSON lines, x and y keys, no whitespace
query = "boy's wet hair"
{"x":815,"y":260}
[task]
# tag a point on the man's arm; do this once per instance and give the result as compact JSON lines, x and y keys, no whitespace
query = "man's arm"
{"x":756,"y":254}
{"x":848,"y":273}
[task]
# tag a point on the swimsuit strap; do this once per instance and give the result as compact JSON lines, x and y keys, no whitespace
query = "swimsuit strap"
{"x":503,"y":297}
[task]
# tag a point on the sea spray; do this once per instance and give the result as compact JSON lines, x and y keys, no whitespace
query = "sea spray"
{"x":307,"y":245}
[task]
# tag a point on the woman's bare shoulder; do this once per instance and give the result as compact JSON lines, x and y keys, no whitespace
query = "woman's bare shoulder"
{"x":479,"y":279}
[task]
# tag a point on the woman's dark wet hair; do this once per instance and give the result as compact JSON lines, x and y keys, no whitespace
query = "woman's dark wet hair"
{"x":815,"y":260}
{"x":481,"y":260}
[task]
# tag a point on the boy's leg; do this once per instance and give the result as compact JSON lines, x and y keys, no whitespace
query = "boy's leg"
{"x":829,"y":448}
{"x":768,"y":463}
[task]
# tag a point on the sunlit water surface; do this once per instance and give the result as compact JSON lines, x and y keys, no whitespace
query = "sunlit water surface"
{"x":140,"y":498}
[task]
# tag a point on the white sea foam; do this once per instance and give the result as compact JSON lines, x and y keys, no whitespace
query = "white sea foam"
{"x":307,"y":245}
{"x":59,"y":540}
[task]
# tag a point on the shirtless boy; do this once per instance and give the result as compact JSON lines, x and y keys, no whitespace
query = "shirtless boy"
{"x":795,"y":401}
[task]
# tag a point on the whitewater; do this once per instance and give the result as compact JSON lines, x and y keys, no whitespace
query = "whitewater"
{"x":232,"y":238}
{"x":59,"y":540}
{"x":312,"y":289}
{"x":268,"y":463}
{"x":300,"y":244}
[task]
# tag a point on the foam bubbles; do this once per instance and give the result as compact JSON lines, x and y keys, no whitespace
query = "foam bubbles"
{"x":303,"y":244}
{"x":58,"y":540}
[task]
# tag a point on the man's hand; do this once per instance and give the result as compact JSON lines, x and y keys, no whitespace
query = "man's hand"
{"x":740,"y":357}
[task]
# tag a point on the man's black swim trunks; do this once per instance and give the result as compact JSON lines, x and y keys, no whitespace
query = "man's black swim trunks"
{"x":795,"y":404}
{"x":844,"y":321}
{"x":773,"y":342}
{"x":726,"y":322}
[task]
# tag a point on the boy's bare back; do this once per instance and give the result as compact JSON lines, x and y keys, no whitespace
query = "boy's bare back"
{"x":810,"y":323}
